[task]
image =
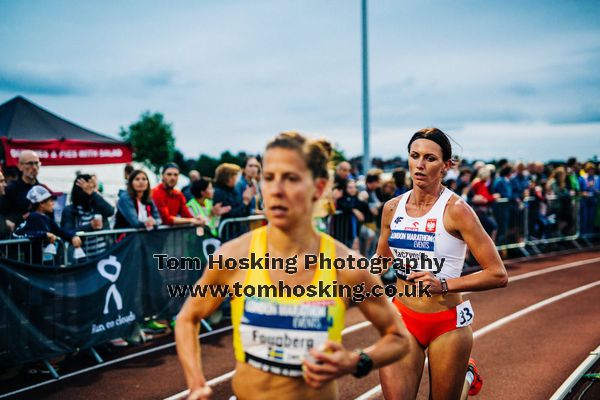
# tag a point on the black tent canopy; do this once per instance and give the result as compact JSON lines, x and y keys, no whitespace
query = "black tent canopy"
{"x":25,"y":125}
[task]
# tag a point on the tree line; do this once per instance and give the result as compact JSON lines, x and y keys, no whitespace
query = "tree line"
{"x":153,"y":143}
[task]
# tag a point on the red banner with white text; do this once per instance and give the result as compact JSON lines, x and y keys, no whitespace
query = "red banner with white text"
{"x":67,"y":152}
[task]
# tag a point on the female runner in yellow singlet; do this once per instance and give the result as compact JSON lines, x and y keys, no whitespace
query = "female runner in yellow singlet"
{"x":289,"y":347}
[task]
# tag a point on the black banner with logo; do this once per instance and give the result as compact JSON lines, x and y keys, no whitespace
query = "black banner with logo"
{"x":46,"y":312}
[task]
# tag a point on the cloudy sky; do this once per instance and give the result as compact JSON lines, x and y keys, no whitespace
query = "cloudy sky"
{"x":503,"y":78}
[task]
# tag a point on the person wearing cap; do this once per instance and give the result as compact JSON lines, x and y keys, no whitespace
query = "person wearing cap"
{"x":16,"y":191}
{"x":39,"y":225}
{"x":170,"y":201}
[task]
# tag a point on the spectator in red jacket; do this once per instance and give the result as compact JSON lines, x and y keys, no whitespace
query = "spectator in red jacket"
{"x":170,"y":201}
{"x":482,"y":200}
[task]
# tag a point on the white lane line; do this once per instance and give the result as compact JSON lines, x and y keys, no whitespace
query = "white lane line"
{"x":110,"y":362}
{"x":356,"y":327}
{"x":503,"y":321}
{"x":549,"y":269}
{"x":572,"y":380}
{"x":553,"y":269}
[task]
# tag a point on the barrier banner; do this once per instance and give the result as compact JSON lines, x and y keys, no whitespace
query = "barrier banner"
{"x":46,"y":311}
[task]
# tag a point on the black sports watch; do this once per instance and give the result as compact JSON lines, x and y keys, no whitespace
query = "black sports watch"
{"x":364,"y":364}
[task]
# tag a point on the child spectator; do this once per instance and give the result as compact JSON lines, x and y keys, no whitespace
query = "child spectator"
{"x":201,"y":204}
{"x":39,"y":226}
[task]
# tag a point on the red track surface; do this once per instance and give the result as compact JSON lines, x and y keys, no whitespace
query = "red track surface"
{"x":526,"y":358}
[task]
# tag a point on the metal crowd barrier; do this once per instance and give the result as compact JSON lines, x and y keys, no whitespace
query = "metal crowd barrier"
{"x":33,"y":251}
{"x":92,"y":243}
{"x":536,"y":222}
{"x":342,"y":227}
{"x":511,"y":217}
{"x":523,"y":225}
{"x":231,"y":228}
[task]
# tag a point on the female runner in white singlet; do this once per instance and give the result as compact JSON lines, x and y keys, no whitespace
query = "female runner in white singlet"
{"x":433,"y":227}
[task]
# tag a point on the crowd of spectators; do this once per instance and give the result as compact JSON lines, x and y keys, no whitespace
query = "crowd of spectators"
{"x":203,"y":203}
{"x":498,"y":192}
{"x":559,"y":197}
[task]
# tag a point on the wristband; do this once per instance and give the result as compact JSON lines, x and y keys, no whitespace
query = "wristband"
{"x":444,"y":286}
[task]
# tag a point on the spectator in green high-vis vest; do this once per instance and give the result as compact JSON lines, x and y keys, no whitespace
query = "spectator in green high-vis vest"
{"x":573,"y":176}
{"x":201,"y":204}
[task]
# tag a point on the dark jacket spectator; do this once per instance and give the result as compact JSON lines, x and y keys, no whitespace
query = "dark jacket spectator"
{"x":187,"y":190}
{"x":354,"y":214}
{"x":6,"y":227}
{"x":399,"y":177}
{"x":519,"y":183}
{"x":80,"y":215}
{"x":135,"y":208}
{"x":502,"y":183}
{"x":373,"y":182}
{"x":249,"y":178}
{"x":463,"y":183}
{"x":225,"y":193}
{"x":16,"y":192}
{"x":342,"y":174}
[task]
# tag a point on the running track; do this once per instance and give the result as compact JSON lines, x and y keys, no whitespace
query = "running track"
{"x":529,"y":337}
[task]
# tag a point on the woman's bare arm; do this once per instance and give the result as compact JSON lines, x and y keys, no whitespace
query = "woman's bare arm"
{"x":462,"y":219}
{"x":196,"y":308}
{"x":335,"y":360}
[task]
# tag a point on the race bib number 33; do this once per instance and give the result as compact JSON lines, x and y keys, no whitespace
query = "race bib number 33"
{"x":464,"y":314}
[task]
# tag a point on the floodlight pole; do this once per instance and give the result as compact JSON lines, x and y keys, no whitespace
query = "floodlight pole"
{"x":366,"y":160}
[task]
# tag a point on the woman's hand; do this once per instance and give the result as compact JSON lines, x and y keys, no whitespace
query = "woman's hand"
{"x":435,"y":286}
{"x":220,"y":209}
{"x":330,"y":362}
{"x":248,"y":194}
{"x":150,"y":223}
{"x":203,"y":392}
{"x":86,"y":186}
{"x":96,"y":224}
{"x":336,"y":194}
{"x":359,"y":215}
{"x":479,"y":199}
{"x":76,"y":241}
{"x":51,"y":237}
{"x":198,"y":221}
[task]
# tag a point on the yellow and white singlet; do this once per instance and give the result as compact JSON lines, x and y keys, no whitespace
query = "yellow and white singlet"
{"x":275,"y":334}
